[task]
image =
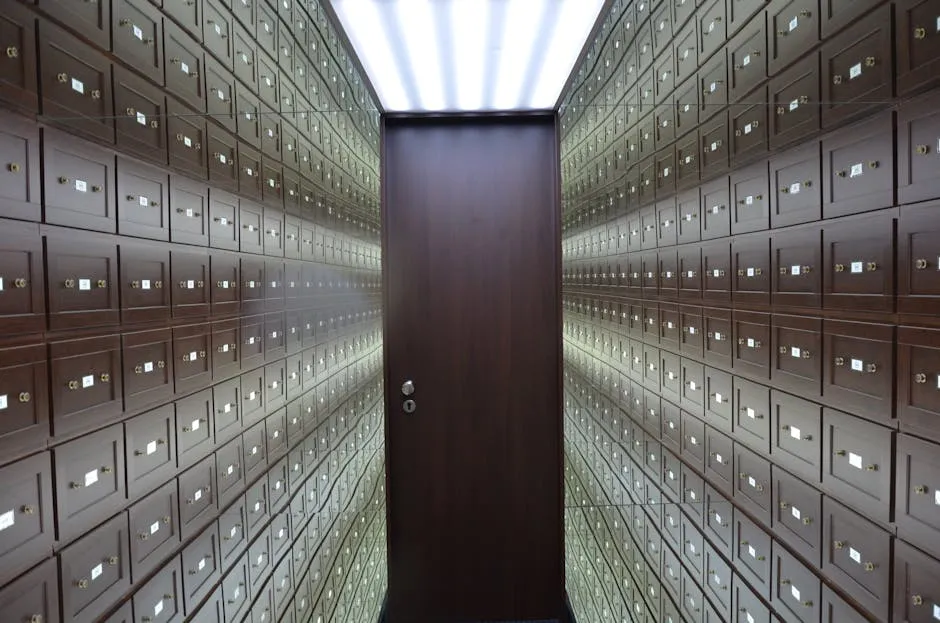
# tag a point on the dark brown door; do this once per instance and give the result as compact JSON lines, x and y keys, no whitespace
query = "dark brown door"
{"x":472,"y":243}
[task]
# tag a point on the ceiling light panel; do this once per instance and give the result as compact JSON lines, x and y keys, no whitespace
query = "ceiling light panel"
{"x":467,"y":55}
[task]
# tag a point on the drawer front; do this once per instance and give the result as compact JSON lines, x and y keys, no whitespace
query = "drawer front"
{"x":749,"y":130}
{"x":793,"y":27}
{"x":193,"y":367}
{"x":917,"y":45}
{"x":22,"y":301}
{"x":151,"y":448}
{"x":23,"y":400}
{"x":751,"y":263}
{"x":86,"y":383}
{"x":188,"y":140}
{"x":793,"y":116}
{"x":195,"y":421}
{"x":227,"y":404}
{"x":716,"y":266}
{"x":918,"y":386}
{"x":201,"y":567}
{"x":797,"y":515}
{"x":148,"y":368}
{"x":752,"y":488}
{"x":797,"y":591}
{"x":797,"y":267}
{"x":259,"y":559}
{"x":751,"y":201}
{"x":145,"y":283}
{"x":752,"y":554}
{"x":223,"y":220}
{"x":796,"y":354}
{"x":191,"y":284}
{"x":89,"y":480}
{"x":229,"y":466}
{"x":95,"y":571}
{"x":140,"y":118}
{"x":154,"y":529}
{"x":713,"y":139}
{"x":185,"y":66}
{"x":28,"y":535}
{"x":77,"y":182}
{"x":20,"y":188}
{"x":197,"y":497}
{"x":712,"y":26}
{"x":34,"y":596}
{"x":797,"y":435}
{"x":857,"y":555}
{"x":719,"y":460}
{"x":859,"y":260}
{"x":142,"y":193}
{"x":918,"y":500}
{"x":161,"y":597}
{"x":916,"y":595}
{"x":718,"y":325}
{"x":718,"y":518}
{"x":751,"y":346}
{"x":858,"y":68}
{"x":137,"y":28}
{"x":718,"y":582}
{"x":233,"y":532}
{"x":859,"y":373}
{"x":18,"y":73}
{"x":858,"y":165}
{"x":190,"y":214}
{"x":690,"y":283}
{"x":856,"y":463}
{"x":747,"y":58}
{"x":235,"y":592}
{"x":719,"y":409}
{"x":918,"y":147}
{"x":223,"y":172}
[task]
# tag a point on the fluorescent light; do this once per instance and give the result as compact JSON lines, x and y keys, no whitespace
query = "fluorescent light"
{"x":363,"y":25}
{"x":446,"y":55}
{"x":469,"y":23}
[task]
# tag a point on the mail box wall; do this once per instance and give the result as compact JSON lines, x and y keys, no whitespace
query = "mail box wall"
{"x":191,"y":362}
{"x":750,"y":206}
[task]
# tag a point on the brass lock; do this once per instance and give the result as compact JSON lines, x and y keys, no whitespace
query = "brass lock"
{"x":20,"y":283}
{"x":69,"y":283}
{"x":105,"y":378}
{"x":62,"y":77}
{"x":921,"y":264}
{"x":869,"y":566}
{"x":807,"y":521}
{"x":82,"y":584}
{"x":920,"y":490}
{"x":24,"y":397}
{"x":870,"y":61}
{"x":837,"y":79}
{"x":13,"y":167}
{"x":917,"y":600}
{"x":922,"y":150}
{"x":13,"y":52}
{"x":27,"y":509}
{"x":73,"y":385}
{"x":920,"y":33}
{"x":840,"y":268}
{"x":102,"y":283}
{"x":920,"y":378}
{"x":839,"y":544}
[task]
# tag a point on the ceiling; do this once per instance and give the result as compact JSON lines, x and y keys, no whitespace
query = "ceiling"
{"x":468,"y":55}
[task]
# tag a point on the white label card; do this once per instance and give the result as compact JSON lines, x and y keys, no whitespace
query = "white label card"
{"x":154,"y":527}
{"x":138,"y":33}
{"x":96,"y":572}
{"x":717,"y":518}
{"x":158,"y":608}
{"x":746,"y":60}
{"x":858,"y":365}
{"x":794,"y":23}
{"x":88,"y":381}
{"x":751,"y":413}
{"x":693,"y":386}
{"x":936,"y":498}
{"x":857,"y":267}
{"x":855,"y":460}
{"x":855,"y":555}
{"x":693,"y":495}
{"x":227,"y":408}
{"x":151,"y":447}
{"x":795,"y":432}
{"x":855,"y":71}
{"x":148,"y":367}
{"x":233,"y":532}
{"x":750,"y":273}
{"x":752,"y":482}
{"x":936,"y":608}
{"x":794,"y":105}
{"x":84,"y":284}
{"x":795,"y":188}
{"x":719,"y":398}
{"x":720,"y":460}
{"x":78,"y":86}
{"x":795,"y":352}
{"x":750,"y":619}
{"x":795,"y":592}
{"x":184,"y":68}
{"x":857,"y":170}
{"x":750,"y":342}
{"x":7,"y":519}
{"x":230,"y":470}
{"x":748,"y":128}
{"x":197,"y":495}
{"x":141,"y":118}
{"x":751,"y":551}
{"x":796,"y":512}
{"x":187,"y":141}
{"x":3,"y":401}
{"x":145,"y":284}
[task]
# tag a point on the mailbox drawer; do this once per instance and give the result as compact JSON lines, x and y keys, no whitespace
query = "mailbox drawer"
{"x":259,"y":559}
{"x":752,"y":487}
{"x":77,"y":182}
{"x":190,"y":213}
{"x":280,"y":534}
{"x":859,"y":373}
{"x":691,"y":322}
{"x":27,"y":535}
{"x":255,"y":444}
{"x":797,"y":267}
{"x":145,"y":278}
{"x":277,"y":483}
{"x":154,"y":529}
{"x":718,"y":582}
{"x":18,"y":74}
{"x":229,"y":470}
{"x":918,"y":493}
{"x":716,"y":267}
{"x":143,"y":209}
{"x":694,"y":388}
{"x":137,"y":27}
{"x":197,"y":497}
{"x":792,"y":95}
{"x":719,"y":524}
{"x":836,"y":610}
{"x":716,"y":215}
{"x":793,"y":27}
{"x":750,"y":257}
{"x":220,"y":96}
{"x":223,"y":170}
{"x":797,"y":591}
{"x":151,"y":449}
{"x":712,"y":26}
{"x":232,"y":532}
{"x":225,"y":398}
{"x":76,"y":84}
{"x":752,"y":344}
{"x":223,"y":285}
{"x":752,"y":557}
{"x":140,"y":118}
{"x":257,"y":505}
{"x":857,"y":556}
{"x":160,"y":597}
{"x":235,"y":591}
{"x":218,"y":31}
{"x":193,"y":367}
{"x":690,"y":280}
{"x":858,"y":166}
{"x":86,"y":383}
{"x":718,"y":399}
{"x":185,"y":66}
{"x":797,"y":514}
{"x":223,"y":220}
{"x":148,"y":368}
{"x":20,"y":178}
{"x":225,"y":344}
{"x":858,"y":68}
{"x":95,"y":571}
{"x":859,"y":260}
{"x":276,"y":432}
{"x":751,"y":200}
{"x":719,"y":460}
{"x":191,"y":283}
{"x":747,"y":607}
{"x":713,"y":139}
{"x":797,"y":435}
{"x":22,"y":301}
{"x":188,"y":140}
{"x":916,"y":594}
{"x":194,"y":425}
{"x":918,"y":41}
{"x":89,"y":480}
{"x":917,"y":384}
{"x":747,"y":58}
{"x":797,"y":354}
{"x":918,"y":147}
{"x":718,"y":348}
{"x":23,"y":400}
{"x":201,"y":567}
{"x":33,"y":596}
{"x":749,"y":129}
{"x":857,"y":463}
